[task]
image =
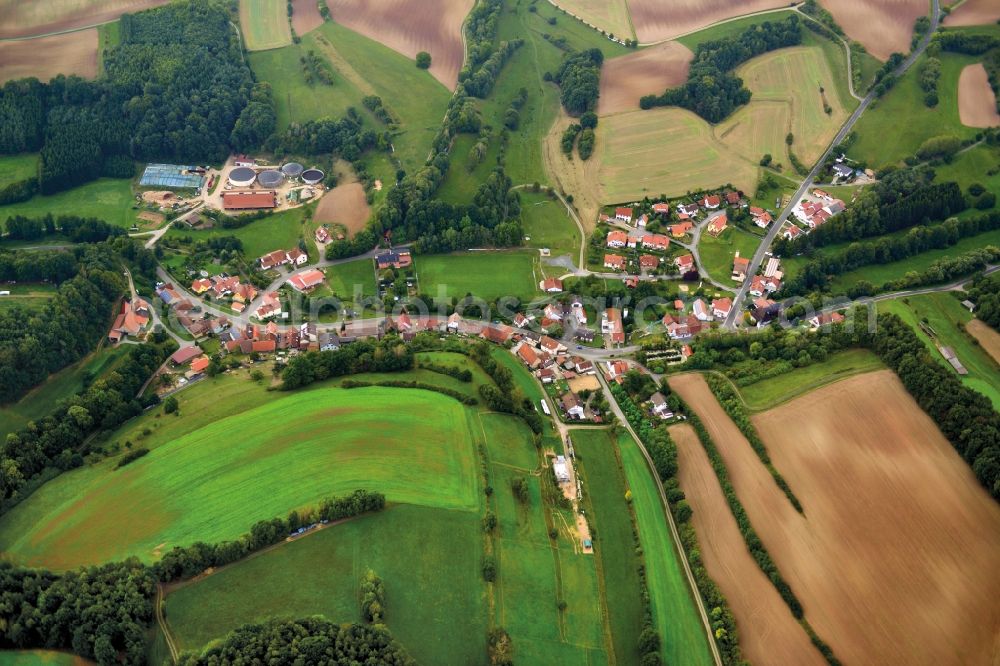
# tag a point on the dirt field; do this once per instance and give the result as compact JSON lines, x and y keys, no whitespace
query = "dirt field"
{"x":977,"y":105}
{"x":584,"y":383}
{"x":44,"y":57}
{"x":882,"y":26}
{"x":19,"y":18}
{"x":346,"y":205}
{"x":656,"y":20}
{"x":768,"y":632}
{"x":974,"y":12}
{"x":305,"y":16}
{"x":608,"y":15}
{"x":411,"y":26}
{"x":627,"y":78}
{"x":987,"y":337}
{"x":575,"y":176}
{"x":897,"y":558}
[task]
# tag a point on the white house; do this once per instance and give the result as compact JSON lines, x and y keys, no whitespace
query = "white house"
{"x":700,"y":310}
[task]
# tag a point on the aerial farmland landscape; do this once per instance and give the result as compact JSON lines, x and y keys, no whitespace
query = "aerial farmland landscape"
{"x":535,"y":332}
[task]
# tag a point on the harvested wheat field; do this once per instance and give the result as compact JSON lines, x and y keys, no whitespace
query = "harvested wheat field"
{"x":19,"y":18}
{"x":897,"y":558}
{"x":974,"y":12}
{"x":882,"y":26}
{"x":656,"y":20}
{"x":44,"y":57}
{"x":305,"y":16}
{"x":581,"y":178}
{"x":345,"y":204}
{"x":411,"y":26}
{"x":988,"y":338}
{"x":627,"y":78}
{"x":769,"y":634}
{"x":977,"y":105}
{"x":608,"y":15}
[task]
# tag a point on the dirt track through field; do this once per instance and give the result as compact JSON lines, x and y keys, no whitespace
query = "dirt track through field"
{"x":987,"y":337}
{"x":882,"y":26}
{"x":650,"y":71}
{"x":974,"y":12}
{"x":305,"y":16}
{"x":977,"y":105}
{"x":44,"y":57}
{"x":22,"y":18}
{"x":769,"y":634}
{"x":655,"y":20}
{"x":897,"y":558}
{"x":411,"y":26}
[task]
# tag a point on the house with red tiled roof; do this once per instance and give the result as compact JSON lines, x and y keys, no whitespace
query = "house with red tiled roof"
{"x":791,"y":232}
{"x":700,"y":310}
{"x":655,"y":242}
{"x":826,"y":319}
{"x":648,"y":261}
{"x":307,"y":280}
{"x":661,"y":208}
{"x":612,"y":326}
{"x":498,"y":334}
{"x":711,"y":202}
{"x":623,"y":214}
{"x":757,"y":286}
{"x":732,"y":198}
{"x":717,"y":225}
{"x":200,"y":364}
{"x":614,"y":262}
{"x":680,"y":230}
{"x":551,"y":285}
{"x":201,"y":286}
{"x":270,"y":306}
{"x":684,"y":262}
{"x":528,"y":355}
{"x":740,"y":267}
{"x":185,"y":355}
{"x":617,"y":239}
{"x":264,"y":346}
{"x":721,"y":307}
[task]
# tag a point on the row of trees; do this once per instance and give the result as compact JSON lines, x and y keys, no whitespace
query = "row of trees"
{"x":76,"y":229}
{"x":985,"y":293}
{"x":386,"y":355}
{"x":712,"y":91}
{"x":505,"y":396}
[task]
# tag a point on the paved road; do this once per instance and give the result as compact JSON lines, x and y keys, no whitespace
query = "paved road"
{"x":762,"y":249}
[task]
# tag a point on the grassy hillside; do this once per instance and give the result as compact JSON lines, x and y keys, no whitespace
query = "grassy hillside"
{"x":109,"y":199}
{"x":210,"y":484}
{"x":412,"y":548}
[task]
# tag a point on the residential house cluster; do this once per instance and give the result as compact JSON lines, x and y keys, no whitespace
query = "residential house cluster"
{"x":188,"y":315}
{"x":813,"y":213}
{"x":612,"y":326}
{"x":294,"y":257}
{"x":550,"y":362}
{"x":682,"y":325}
{"x":619,"y":239}
{"x":132,"y":320}
{"x":226,"y":286}
{"x":270,"y":306}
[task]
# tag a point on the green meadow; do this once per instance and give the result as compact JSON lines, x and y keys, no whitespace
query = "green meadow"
{"x":40,"y":658}
{"x":109,"y":199}
{"x":274,"y":232}
{"x":14,"y":168}
{"x":487,"y":275}
{"x":214,"y":482}
{"x":717,"y":253}
{"x":547,"y":223}
{"x":946,"y":316}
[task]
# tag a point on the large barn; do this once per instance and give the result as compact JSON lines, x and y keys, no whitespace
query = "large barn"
{"x":249,"y":200}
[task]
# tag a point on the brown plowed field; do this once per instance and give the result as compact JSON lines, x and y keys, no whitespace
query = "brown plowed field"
{"x":977,"y":105}
{"x":346,"y":205}
{"x":411,"y":26}
{"x":21,"y":18}
{"x":768,"y":632}
{"x":974,"y":12}
{"x":656,"y":20}
{"x":882,"y":26}
{"x":305,"y":16}
{"x":44,"y":57}
{"x":897,"y":558}
{"x":987,"y":337}
{"x":627,"y":78}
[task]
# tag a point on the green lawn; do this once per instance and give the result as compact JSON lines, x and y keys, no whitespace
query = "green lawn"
{"x":42,"y":399}
{"x":547,"y":223}
{"x":39,"y":657}
{"x":345,"y":279}
{"x":28,"y":296}
{"x":675,"y":614}
{"x":524,"y":69}
{"x":17,"y":167}
{"x":435,"y":594}
{"x":487,"y":275}
{"x":279,"y":231}
{"x":944,"y":313}
{"x":879,"y":274}
{"x":768,"y":393}
{"x":611,"y":524}
{"x":717,"y":253}
{"x":109,"y":199}
{"x":214,"y":482}
{"x":895,"y":126}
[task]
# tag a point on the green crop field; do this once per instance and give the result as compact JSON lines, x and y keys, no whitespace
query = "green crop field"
{"x":675,"y":614}
{"x":771,"y":392}
{"x":879,"y":274}
{"x":547,"y":223}
{"x":40,"y":658}
{"x":488,"y":275}
{"x":421,"y":554}
{"x":361,"y":67}
{"x":896,"y":126}
{"x":213,"y":483}
{"x":717,"y":253}
{"x":610,"y":518}
{"x":17,"y":167}
{"x":109,"y":199}
{"x":943,"y":313}
{"x":264,"y":24}
{"x":42,"y":399}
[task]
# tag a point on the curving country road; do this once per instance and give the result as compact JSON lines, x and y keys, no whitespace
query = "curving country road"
{"x":758,"y":257}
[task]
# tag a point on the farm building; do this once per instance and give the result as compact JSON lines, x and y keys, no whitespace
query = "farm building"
{"x":249,"y":200}
{"x":170,"y":175}
{"x":185,"y":354}
{"x":242,"y":177}
{"x":307,"y":280}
